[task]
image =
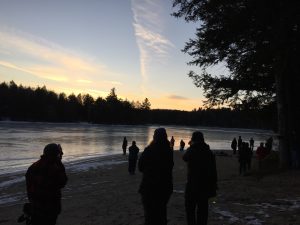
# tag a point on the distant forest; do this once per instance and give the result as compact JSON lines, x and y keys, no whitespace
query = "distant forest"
{"x":19,"y":103}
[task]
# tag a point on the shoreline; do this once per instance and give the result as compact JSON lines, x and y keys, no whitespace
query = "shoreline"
{"x":106,"y":194}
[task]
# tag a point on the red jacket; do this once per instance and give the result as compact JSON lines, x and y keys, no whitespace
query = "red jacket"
{"x":261,"y":152}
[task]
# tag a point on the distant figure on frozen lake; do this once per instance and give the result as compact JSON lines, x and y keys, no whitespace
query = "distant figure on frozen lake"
{"x":44,"y":180}
{"x":132,"y":158}
{"x":124,"y":145}
{"x":182,"y":144}
{"x":201,"y":179}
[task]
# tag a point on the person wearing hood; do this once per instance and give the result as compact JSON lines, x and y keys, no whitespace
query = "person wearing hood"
{"x":44,"y":181}
{"x":201,"y":179}
{"x":156,"y":164}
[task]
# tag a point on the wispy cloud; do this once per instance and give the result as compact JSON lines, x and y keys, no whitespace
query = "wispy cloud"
{"x":45,"y":59}
{"x":46,"y":73}
{"x":177,"y":97}
{"x":148,"y":29}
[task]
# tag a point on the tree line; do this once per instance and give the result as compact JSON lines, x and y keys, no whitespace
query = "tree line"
{"x":21,"y":103}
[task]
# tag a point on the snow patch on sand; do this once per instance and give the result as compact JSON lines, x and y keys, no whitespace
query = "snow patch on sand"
{"x":86,"y":166}
{"x":11,"y":181}
{"x":6,"y":199}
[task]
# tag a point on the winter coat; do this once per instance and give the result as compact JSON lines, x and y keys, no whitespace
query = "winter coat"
{"x":202,"y":172}
{"x":44,"y":181}
{"x":156,"y":164}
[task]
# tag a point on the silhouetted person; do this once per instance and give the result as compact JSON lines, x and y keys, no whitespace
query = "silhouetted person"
{"x":234,"y":145}
{"x":269,"y":144}
{"x":261,"y":153}
{"x":172,"y":142}
{"x":182,"y":144}
{"x":44,"y":180}
{"x":251,"y":144}
{"x":201,"y":180}
{"x":240,"y":141}
{"x":156,"y":164}
{"x":132,"y":158}
{"x":249,"y":154}
{"x":243,"y":154}
{"x":124,"y":145}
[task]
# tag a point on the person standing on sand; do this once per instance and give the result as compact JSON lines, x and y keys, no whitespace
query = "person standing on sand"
{"x":243,"y":154}
{"x":240,"y":141}
{"x":132,"y":158}
{"x":124,"y":145}
{"x":182,"y":144}
{"x":269,"y":144}
{"x":156,"y":164}
{"x":201,"y":179}
{"x":251,"y":144}
{"x":44,"y":180}
{"x":234,"y":145}
{"x":249,"y":153}
{"x":172,"y":143}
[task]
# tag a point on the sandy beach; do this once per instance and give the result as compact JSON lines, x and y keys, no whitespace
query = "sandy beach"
{"x":100,"y":191}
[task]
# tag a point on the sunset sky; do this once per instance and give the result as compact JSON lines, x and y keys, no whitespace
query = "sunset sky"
{"x":91,"y":46}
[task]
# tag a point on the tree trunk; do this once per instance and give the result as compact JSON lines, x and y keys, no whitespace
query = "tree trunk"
{"x":282,"y":120}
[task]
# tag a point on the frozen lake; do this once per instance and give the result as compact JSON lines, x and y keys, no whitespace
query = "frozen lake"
{"x":22,"y":143}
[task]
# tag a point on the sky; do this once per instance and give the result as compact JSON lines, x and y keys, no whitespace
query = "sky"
{"x":91,"y":46}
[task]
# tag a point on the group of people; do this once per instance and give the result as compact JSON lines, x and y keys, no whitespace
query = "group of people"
{"x":245,"y":152}
{"x":46,"y":177}
{"x":133,"y":151}
{"x":156,"y":164}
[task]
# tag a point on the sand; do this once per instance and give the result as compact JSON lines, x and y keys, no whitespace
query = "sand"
{"x":100,"y":191}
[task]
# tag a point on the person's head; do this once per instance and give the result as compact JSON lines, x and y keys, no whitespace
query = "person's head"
{"x":261,"y":144}
{"x":160,"y":135}
{"x":52,"y":152}
{"x":197,"y":137}
{"x":133,"y":143}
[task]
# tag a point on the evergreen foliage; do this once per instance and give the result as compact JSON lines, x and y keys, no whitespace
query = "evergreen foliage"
{"x":39,"y":104}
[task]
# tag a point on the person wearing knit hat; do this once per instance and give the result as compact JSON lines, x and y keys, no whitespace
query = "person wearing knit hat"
{"x":44,"y":181}
{"x":156,"y":164}
{"x":201,"y":179}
